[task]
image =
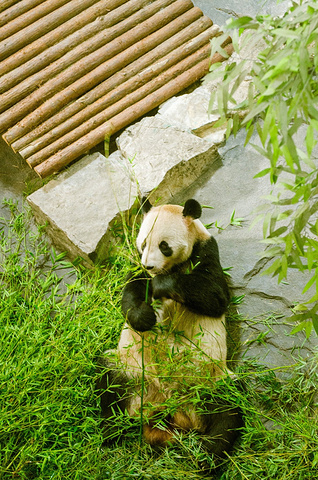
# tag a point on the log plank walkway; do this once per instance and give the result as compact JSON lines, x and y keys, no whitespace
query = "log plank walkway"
{"x":74,"y":72}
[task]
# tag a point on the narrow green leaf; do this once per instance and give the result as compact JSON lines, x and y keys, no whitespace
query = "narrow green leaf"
{"x":299,"y":327}
{"x":250,"y":131}
{"x":283,"y":119}
{"x":310,"y":139}
{"x":315,"y":322}
{"x":236,"y":123}
{"x":229,"y":127}
{"x":284,"y":32}
{"x":303,"y":63}
{"x":273,"y":268}
{"x":106,"y":145}
{"x":266,"y":223}
{"x":255,"y":111}
{"x":309,"y":284}
{"x":211,"y":102}
{"x":288,"y":243}
{"x":283,"y":271}
{"x":262,"y":173}
{"x":278,"y":232}
{"x":225,"y":97}
{"x":308,"y":328}
{"x":240,"y":22}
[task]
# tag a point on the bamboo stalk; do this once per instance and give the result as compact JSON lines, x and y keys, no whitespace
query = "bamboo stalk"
{"x":116,"y":108}
{"x":127,"y":116}
{"x":65,"y":51}
{"x":24,"y":19}
{"x":42,"y":26}
{"x":91,"y":63}
{"x":7,"y":4}
{"x":70,"y":26}
{"x":121,"y":84}
{"x":17,"y":9}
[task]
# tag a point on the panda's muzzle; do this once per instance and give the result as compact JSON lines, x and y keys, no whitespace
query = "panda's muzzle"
{"x":148,"y":267}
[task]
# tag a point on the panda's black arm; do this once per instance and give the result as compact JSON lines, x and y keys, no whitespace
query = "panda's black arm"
{"x":204,"y":290}
{"x":200,"y":293}
{"x":135,"y":306}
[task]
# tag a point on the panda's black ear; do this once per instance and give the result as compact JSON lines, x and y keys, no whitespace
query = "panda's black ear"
{"x":192,"y":208}
{"x":145,"y":205}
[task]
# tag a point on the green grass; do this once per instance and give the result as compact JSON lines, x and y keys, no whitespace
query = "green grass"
{"x":55,"y":319}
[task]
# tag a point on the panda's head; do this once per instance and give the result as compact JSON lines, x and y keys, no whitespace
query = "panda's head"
{"x":167,"y":235}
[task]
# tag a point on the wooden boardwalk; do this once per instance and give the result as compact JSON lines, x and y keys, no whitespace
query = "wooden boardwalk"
{"x":73,"y":73}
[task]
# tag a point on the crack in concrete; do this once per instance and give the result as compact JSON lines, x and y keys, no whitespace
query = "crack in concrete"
{"x":259,"y":265}
{"x":228,"y":12}
{"x":269,"y":296}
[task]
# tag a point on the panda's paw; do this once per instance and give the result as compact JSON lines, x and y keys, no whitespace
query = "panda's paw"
{"x":142,"y":318}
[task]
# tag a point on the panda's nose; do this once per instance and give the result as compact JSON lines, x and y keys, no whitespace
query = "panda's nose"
{"x":148,"y":267}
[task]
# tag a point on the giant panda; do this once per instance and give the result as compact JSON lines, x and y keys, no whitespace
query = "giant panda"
{"x":174,"y":338}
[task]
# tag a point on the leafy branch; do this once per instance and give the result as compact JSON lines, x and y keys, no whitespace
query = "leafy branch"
{"x":281,"y":102}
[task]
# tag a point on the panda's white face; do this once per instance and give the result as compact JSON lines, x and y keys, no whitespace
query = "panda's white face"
{"x":165,"y":238}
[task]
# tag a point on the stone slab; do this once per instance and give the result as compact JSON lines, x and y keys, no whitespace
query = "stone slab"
{"x":221,"y":11}
{"x":81,"y":204}
{"x":188,"y":111}
{"x":165,"y":159}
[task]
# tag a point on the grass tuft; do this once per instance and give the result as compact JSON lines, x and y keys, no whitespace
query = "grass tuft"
{"x":56,"y":318}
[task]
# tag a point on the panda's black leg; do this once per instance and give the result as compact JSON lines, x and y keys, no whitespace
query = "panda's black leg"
{"x":222,"y":427}
{"x":113,"y":387}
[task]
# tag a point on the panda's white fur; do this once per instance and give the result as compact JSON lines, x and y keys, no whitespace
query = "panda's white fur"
{"x":185,"y":343}
{"x":166,"y":223}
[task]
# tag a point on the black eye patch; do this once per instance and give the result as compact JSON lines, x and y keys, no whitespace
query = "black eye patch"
{"x":165,"y":249}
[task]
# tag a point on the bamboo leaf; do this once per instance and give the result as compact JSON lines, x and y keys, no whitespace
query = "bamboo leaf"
{"x":266,"y":223}
{"x":262,"y":173}
{"x":315,"y":322}
{"x":298,"y":328}
{"x":278,"y":232}
{"x":250,"y":131}
{"x":310,"y":139}
{"x":255,"y":111}
{"x":240,"y":22}
{"x":229,"y":127}
{"x":284,"y":32}
{"x":274,"y":267}
{"x":283,"y":271}
{"x":211,"y":102}
{"x":309,"y":284}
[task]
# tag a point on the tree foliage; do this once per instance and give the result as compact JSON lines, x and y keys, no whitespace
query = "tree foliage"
{"x":281,"y":104}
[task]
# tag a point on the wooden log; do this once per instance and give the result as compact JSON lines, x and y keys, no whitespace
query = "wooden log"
{"x":42,"y":26}
{"x":25,"y":19}
{"x":70,"y":26}
{"x":17,"y":9}
{"x":68,"y":154}
{"x":116,"y":107}
{"x":98,"y":71}
{"x":86,"y":40}
{"x":117,"y":38}
{"x":159,"y":43}
{"x":7,"y":4}
{"x":120,"y":85}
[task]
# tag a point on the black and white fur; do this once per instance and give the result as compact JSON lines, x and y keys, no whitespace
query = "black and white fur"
{"x":177,"y":305}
